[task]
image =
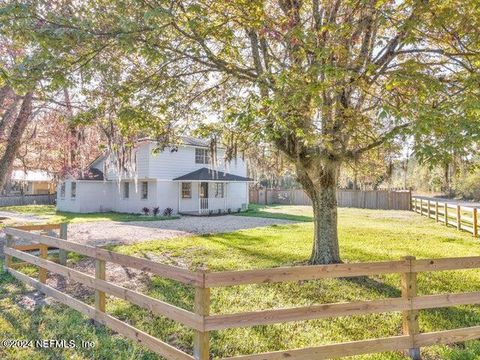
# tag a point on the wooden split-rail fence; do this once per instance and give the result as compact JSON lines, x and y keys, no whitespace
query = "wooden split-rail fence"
{"x":462,"y":217}
{"x":202,"y":322}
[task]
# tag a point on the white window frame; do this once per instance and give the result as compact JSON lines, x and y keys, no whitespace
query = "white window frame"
{"x":202,"y":156}
{"x":219,"y":186}
{"x":73,"y":190}
{"x":144,"y":194}
{"x":187,"y":191}
{"x":126,"y":190}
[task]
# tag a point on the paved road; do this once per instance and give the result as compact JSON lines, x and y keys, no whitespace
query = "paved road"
{"x":450,"y":201}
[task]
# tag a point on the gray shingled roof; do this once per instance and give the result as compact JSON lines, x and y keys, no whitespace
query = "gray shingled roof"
{"x":91,"y":174}
{"x":192,"y":141}
{"x":185,"y":140}
{"x":205,"y":174}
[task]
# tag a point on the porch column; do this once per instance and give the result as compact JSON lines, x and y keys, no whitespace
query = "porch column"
{"x":225,"y":196}
{"x":179,"y":195}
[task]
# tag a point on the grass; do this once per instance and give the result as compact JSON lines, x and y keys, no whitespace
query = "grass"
{"x":52,"y":216}
{"x":365,"y":235}
{"x":285,"y":212}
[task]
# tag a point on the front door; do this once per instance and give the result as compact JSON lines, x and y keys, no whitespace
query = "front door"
{"x":204,"y":195}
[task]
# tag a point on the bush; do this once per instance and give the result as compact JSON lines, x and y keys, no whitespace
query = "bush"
{"x":146,"y":210}
{"x":155,"y":211}
{"x":468,"y":186}
{"x":168,"y":212}
{"x":229,"y":210}
{"x":219,"y":211}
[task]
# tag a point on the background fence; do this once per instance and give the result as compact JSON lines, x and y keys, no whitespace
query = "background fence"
{"x":375,"y":199}
{"x":462,"y":217}
{"x":202,"y":322}
{"x":44,"y":199}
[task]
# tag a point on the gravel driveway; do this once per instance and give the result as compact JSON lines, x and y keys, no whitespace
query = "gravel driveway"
{"x":109,"y":232}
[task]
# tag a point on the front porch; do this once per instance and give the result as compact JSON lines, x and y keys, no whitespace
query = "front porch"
{"x":208,"y":198}
{"x":207,"y":192}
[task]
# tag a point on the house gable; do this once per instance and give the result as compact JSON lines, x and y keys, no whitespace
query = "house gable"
{"x":170,"y":163}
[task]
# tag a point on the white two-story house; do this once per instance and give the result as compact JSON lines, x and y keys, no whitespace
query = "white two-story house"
{"x":180,"y":178}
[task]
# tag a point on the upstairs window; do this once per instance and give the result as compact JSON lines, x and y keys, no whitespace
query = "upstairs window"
{"x":126,"y":190}
{"x":219,"y":190}
{"x":201,"y":156}
{"x":186,"y":190}
{"x":62,"y":190}
{"x":74,"y":190}
{"x":144,"y":190}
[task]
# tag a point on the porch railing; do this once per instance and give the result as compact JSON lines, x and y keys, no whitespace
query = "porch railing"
{"x":212,"y":204}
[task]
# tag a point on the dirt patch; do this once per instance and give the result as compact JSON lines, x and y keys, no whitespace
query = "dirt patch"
{"x":108,"y":233}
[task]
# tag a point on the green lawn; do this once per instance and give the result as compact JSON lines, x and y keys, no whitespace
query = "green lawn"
{"x":365,"y":235}
{"x":52,"y":216}
{"x":286,"y":212}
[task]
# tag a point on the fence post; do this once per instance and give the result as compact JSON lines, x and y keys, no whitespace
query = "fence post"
{"x":459,"y":223}
{"x":428,"y":208}
{"x":8,"y":258}
{"x":410,"y":317}
{"x":201,"y":340}
{"x":100,"y":295}
{"x":42,"y":273}
{"x":436,"y":211}
{"x":445,"y":208}
{"x":421,"y":206}
{"x":62,"y":254}
{"x":416,"y":206}
{"x":475,"y":222}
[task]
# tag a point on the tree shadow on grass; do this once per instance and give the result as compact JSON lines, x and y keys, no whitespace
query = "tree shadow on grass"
{"x":374,"y":285}
{"x":261,"y":211}
{"x":250,"y":247}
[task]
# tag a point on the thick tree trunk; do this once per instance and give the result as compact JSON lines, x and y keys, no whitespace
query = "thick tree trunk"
{"x":8,"y":117}
{"x":446,"y":178}
{"x":5,"y":92}
{"x":320,"y":183}
{"x":15,"y":138}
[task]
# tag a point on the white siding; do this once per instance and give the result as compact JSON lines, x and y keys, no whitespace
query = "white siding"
{"x":167,"y":195}
{"x":143,"y":156}
{"x":237,"y":195}
{"x":134,"y":203}
{"x":171,"y":164}
{"x":92,"y":196}
{"x":189,"y":204}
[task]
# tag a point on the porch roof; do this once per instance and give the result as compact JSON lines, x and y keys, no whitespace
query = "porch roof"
{"x":205,"y":174}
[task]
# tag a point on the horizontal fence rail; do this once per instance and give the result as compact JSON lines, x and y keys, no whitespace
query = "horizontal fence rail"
{"x":462,"y":217}
{"x":202,"y":322}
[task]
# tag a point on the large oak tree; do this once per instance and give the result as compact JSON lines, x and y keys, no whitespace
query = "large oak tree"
{"x":323,"y":81}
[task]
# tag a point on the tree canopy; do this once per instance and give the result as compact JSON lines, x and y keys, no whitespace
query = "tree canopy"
{"x":322,"y":81}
